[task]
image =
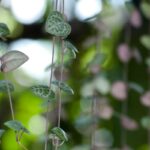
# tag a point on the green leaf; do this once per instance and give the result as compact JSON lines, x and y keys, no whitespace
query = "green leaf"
{"x":60,"y":133}
{"x":136,"y":87}
{"x":148,"y":62}
{"x":56,"y":25}
{"x":3,"y":46}
{"x":16,"y":126}
{"x":145,"y":40}
{"x":63,"y":87}
{"x":43,"y":92}
{"x":145,"y":122}
{"x":4,"y":31}
{"x":72,"y":48}
{"x":145,"y":7}
{"x":4,"y":84}
{"x":1,"y":132}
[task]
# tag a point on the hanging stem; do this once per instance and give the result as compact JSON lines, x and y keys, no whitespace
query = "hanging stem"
{"x":10,"y":99}
{"x":18,"y":138}
{"x":93,"y":108}
{"x":48,"y":107}
{"x":61,"y":76}
{"x":124,"y":108}
{"x":149,"y":88}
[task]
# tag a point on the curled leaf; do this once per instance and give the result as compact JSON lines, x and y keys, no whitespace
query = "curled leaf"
{"x":72,"y":48}
{"x":43,"y":92}
{"x":12,"y":60}
{"x":4,"y":84}
{"x":4,"y":31}
{"x":16,"y":126}
{"x":60,"y":133}
{"x":63,"y":87}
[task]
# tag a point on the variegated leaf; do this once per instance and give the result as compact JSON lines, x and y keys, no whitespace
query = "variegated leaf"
{"x":63,"y":87}
{"x":16,"y":126}
{"x":60,"y":133}
{"x":43,"y":92}
{"x":56,"y":25}
{"x":12,"y":60}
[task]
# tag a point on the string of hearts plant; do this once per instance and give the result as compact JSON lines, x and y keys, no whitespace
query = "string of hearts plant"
{"x":10,"y":61}
{"x":57,"y":26}
{"x":125,"y":55}
{"x":145,"y":40}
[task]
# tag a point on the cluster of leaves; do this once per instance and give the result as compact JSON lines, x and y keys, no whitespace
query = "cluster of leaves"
{"x":58,"y":27}
{"x":8,"y":62}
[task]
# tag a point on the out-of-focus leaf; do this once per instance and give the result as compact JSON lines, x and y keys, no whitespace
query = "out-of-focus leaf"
{"x":63,"y":87}
{"x":60,"y":133}
{"x":16,"y":126}
{"x":72,"y":49}
{"x":136,"y":87}
{"x":12,"y":60}
{"x":145,"y":122}
{"x":145,"y":7}
{"x":50,"y":66}
{"x":56,"y":25}
{"x":4,"y":84}
{"x":4,"y":31}
{"x":103,"y":138}
{"x":148,"y":62}
{"x":1,"y":132}
{"x":43,"y":92}
{"x":145,"y":40}
{"x":3,"y":46}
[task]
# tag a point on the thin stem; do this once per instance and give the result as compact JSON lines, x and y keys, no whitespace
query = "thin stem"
{"x":94,"y":124}
{"x":124,"y":108}
{"x":48,"y":106}
{"x":10,"y":99}
{"x":56,"y":6}
{"x":61,"y":76}
{"x":149,"y":88}
{"x":18,"y":138}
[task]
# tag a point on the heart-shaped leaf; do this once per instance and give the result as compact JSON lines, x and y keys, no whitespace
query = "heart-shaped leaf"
{"x":145,"y":122}
{"x":56,"y":25}
{"x":16,"y":126}
{"x":4,"y":31}
{"x":72,"y":48}
{"x":145,"y":7}
{"x":1,"y":132}
{"x":43,"y":92}
{"x":145,"y":40}
{"x":63,"y":87}
{"x":60,"y":133}
{"x":6,"y":84}
{"x":12,"y":60}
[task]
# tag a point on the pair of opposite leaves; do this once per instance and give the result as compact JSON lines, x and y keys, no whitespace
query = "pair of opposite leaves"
{"x":56,"y":25}
{"x":12,"y":60}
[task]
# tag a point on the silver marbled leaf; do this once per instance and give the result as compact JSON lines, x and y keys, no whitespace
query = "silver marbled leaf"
{"x":56,"y":25}
{"x":12,"y":60}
